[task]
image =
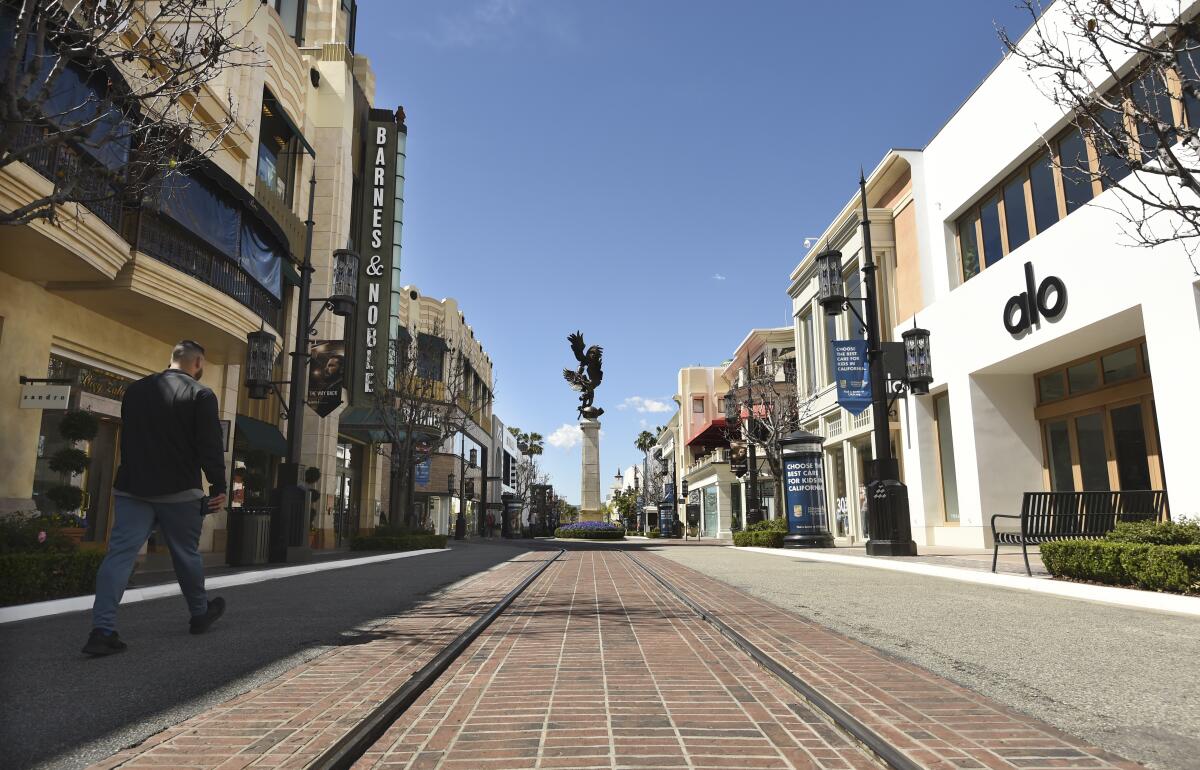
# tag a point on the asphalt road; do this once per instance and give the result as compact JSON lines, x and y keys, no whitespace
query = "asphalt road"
{"x":60,"y":709}
{"x":1122,"y":678}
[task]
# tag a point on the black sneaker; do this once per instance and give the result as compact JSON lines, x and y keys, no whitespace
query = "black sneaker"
{"x":200,"y":623}
{"x":100,"y":643}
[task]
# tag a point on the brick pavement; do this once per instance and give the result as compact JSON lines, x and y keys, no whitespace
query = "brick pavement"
{"x":936,"y":722}
{"x":288,"y":721}
{"x":596,"y":667}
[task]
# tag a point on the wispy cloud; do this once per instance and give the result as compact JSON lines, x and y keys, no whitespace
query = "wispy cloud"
{"x":496,"y":21}
{"x":644,"y":405}
{"x":718,"y":277}
{"x":566,"y":436}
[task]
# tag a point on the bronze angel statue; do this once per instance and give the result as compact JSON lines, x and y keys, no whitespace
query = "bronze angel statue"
{"x":587,"y":377}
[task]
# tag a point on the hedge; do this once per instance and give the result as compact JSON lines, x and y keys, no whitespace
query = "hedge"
{"x":409,"y":541}
{"x":36,"y":577}
{"x":1174,"y":568}
{"x":759,"y":538}
{"x":590,"y":534}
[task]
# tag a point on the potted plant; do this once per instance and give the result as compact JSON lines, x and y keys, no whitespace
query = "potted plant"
{"x":76,"y":426}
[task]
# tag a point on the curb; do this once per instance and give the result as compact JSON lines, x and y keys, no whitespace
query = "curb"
{"x":1124,"y":597}
{"x":77,"y":603}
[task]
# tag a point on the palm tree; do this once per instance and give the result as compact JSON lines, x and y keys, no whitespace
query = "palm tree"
{"x":528,"y":443}
{"x":645,"y":443}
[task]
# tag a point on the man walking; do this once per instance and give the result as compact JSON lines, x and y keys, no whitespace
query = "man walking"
{"x":170,"y":431}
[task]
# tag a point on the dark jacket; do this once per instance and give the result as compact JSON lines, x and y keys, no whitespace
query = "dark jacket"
{"x":169,"y":432}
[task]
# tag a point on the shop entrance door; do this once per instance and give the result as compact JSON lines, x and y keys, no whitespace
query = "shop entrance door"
{"x":98,"y":486}
{"x":711,"y":511}
{"x":1114,"y":447}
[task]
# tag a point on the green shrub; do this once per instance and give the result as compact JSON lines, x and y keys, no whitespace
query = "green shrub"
{"x":69,"y":460}
{"x":411,"y":541}
{"x":590,"y":533}
{"x":36,"y":577}
{"x":1174,"y":568}
{"x":33,"y":534}
{"x":1156,"y":532}
{"x":654,"y":532}
{"x":759,"y":538}
{"x":769,"y":525}
{"x":78,"y":425}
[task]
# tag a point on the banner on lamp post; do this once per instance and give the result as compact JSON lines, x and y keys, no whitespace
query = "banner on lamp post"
{"x":852,"y":374}
{"x":326,"y":376}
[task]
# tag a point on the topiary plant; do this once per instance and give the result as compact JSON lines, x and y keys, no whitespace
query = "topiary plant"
{"x":78,"y":425}
{"x":69,"y":460}
{"x":65,"y":497}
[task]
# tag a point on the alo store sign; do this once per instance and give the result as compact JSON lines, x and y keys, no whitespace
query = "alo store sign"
{"x":375,"y":242}
{"x":1049,"y":299}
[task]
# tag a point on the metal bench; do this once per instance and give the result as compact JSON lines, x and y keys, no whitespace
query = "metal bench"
{"x":1048,"y":516}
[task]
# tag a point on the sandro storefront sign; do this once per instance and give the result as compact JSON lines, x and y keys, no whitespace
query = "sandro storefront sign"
{"x":375,"y":267}
{"x":1048,"y":299}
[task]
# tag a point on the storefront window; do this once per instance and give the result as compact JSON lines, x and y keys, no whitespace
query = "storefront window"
{"x":1045,"y":199}
{"x":1058,"y":459}
{"x":1120,"y":365}
{"x":1093,"y":459}
{"x":968,"y":246}
{"x":1083,"y":377}
{"x":1016,"y":224}
{"x":711,"y":510}
{"x":989,"y":225}
{"x":945,"y":435}
{"x":1076,"y":171}
{"x":1051,"y":387}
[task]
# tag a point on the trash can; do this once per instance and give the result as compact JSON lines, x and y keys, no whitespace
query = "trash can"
{"x":249,"y":540}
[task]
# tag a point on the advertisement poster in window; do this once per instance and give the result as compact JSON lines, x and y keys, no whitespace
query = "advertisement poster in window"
{"x":326,"y":376}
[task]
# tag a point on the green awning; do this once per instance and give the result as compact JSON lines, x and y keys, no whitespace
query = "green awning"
{"x":289,"y":272}
{"x":363,"y":423}
{"x":260,"y":436}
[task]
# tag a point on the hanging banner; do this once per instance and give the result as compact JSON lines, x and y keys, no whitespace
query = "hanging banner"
{"x":326,"y":376}
{"x":852,"y":374}
{"x":375,"y":244}
{"x":805,"y":493}
{"x":421,"y":472}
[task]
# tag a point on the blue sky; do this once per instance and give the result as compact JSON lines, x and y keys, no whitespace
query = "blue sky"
{"x":645,"y":171}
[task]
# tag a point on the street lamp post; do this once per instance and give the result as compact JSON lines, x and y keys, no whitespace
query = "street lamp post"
{"x":288,"y":519}
{"x":451,"y":489}
{"x":890,"y":531}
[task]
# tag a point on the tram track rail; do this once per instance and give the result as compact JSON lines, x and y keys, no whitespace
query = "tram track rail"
{"x":355,"y":743}
{"x":876,"y":745}
{"x":367,"y":732}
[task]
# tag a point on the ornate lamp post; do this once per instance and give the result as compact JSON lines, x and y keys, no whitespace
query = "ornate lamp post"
{"x":289,"y":520}
{"x":733,"y":416}
{"x":887,"y":496}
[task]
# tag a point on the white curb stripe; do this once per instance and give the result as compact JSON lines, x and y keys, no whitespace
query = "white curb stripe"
{"x":77,"y":603}
{"x":1125,"y":597}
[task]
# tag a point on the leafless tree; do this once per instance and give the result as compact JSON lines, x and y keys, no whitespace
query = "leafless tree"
{"x":1128,"y":72}
{"x":424,"y":399}
{"x":528,"y":473}
{"x":105,"y":96}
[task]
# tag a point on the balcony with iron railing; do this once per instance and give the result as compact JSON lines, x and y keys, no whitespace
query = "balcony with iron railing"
{"x":59,"y":163}
{"x":159,"y":237}
{"x":718,"y":456}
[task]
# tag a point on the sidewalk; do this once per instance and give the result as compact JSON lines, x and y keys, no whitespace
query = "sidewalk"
{"x":288,"y":721}
{"x":968,"y":567}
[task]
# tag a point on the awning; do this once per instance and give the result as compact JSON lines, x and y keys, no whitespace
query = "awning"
{"x":289,"y":272}
{"x":270,"y":101}
{"x":713,"y":434}
{"x":260,"y":436}
{"x":363,"y":423}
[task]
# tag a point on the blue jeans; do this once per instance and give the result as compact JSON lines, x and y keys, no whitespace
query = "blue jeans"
{"x":180,"y":525}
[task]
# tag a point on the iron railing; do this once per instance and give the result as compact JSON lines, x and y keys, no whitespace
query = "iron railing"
{"x":167,"y":242}
{"x":58,"y":162}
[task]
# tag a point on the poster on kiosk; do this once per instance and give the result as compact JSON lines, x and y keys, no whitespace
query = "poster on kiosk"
{"x":804,"y":488}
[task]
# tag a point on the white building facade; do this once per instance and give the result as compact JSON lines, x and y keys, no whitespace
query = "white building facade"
{"x":1065,"y":356}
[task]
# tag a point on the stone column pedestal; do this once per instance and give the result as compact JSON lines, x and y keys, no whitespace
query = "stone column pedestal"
{"x":589,"y":508}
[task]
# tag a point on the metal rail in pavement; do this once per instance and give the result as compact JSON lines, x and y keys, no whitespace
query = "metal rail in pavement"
{"x":351,"y":747}
{"x":874,"y":743}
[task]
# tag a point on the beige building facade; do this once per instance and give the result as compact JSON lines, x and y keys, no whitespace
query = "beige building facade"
{"x":99,"y":299}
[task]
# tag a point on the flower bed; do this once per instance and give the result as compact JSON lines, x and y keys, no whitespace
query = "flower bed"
{"x":590,"y":530}
{"x":38,"y":561}
{"x":1154,"y":556}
